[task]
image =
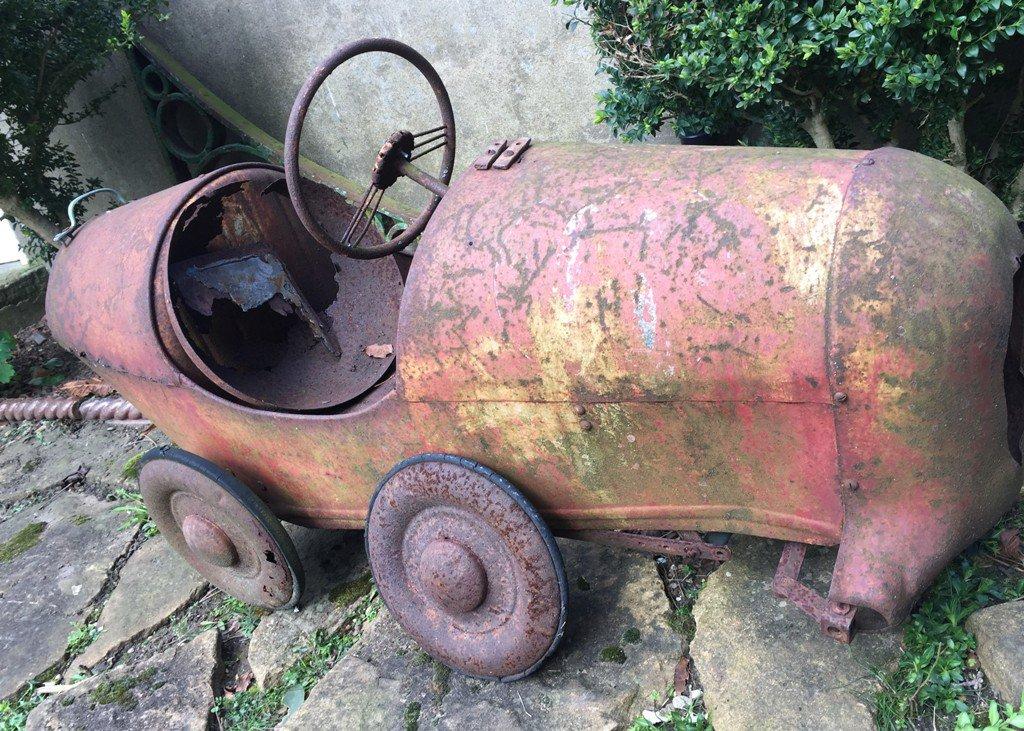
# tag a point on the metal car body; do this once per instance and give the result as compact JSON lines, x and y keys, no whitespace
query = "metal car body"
{"x":804,"y":345}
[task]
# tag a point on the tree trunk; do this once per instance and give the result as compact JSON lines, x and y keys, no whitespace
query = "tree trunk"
{"x":817,"y":127}
{"x":957,"y":137}
{"x":1017,"y":195}
{"x":29,"y":217}
{"x":1009,"y":122}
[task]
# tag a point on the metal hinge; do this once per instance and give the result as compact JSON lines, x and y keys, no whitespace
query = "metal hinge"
{"x":500,"y":154}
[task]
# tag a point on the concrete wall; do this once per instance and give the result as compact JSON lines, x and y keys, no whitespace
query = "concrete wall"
{"x":118,"y":146}
{"x":511,"y":69}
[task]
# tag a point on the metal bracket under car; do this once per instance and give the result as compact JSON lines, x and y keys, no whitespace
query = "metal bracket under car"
{"x":690,"y":545}
{"x":835,"y":618}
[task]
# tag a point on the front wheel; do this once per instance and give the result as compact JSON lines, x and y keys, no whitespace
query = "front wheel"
{"x":467,"y":566}
{"x":221,"y":528}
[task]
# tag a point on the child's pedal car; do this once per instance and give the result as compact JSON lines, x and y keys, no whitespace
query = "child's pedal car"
{"x":599,"y":341}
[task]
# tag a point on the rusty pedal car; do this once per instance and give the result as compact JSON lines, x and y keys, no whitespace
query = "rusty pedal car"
{"x":597,"y":341}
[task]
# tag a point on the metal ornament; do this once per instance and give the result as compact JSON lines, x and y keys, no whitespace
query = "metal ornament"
{"x":467,"y":566}
{"x":221,"y":528}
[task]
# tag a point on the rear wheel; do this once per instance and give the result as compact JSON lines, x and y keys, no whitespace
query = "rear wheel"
{"x":221,"y":528}
{"x":467,"y":566}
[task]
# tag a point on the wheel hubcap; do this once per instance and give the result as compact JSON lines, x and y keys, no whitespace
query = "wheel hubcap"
{"x":208,"y":542}
{"x":452,"y":576}
{"x":466,"y":566}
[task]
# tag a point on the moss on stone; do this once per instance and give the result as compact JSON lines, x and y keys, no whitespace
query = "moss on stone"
{"x":21,"y":541}
{"x":613,"y":653}
{"x":119,"y":691}
{"x":442,"y":681}
{"x":345,"y":594}
{"x":631,"y":636}
{"x":80,"y":519}
{"x":411,"y":718}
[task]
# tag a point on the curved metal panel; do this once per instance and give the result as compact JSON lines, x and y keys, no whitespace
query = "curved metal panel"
{"x":627,"y":273}
{"x":920,"y":316}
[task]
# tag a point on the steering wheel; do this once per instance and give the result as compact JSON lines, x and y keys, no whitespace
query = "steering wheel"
{"x":394,"y":160}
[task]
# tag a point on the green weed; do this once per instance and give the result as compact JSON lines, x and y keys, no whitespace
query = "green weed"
{"x":1000,"y":718}
{"x":685,"y":712}
{"x":231,"y":610}
{"x":14,"y":711}
{"x":130,"y":470}
{"x":929,"y":675}
{"x":255,"y":709}
{"x":82,"y":635}
{"x":135,"y":512}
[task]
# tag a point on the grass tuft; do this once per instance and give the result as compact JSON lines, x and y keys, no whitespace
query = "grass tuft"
{"x":135,"y":511}
{"x":255,"y":709}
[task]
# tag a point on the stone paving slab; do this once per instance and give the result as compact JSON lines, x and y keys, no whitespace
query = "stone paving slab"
{"x":1000,"y":634}
{"x":54,"y":561}
{"x":764,"y":664}
{"x":172,"y":690}
{"x":33,"y":459}
{"x":335,"y":565}
{"x":617,"y":650}
{"x":153,"y":585}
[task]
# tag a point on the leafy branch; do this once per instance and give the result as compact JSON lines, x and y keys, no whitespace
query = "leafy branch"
{"x":47,"y":47}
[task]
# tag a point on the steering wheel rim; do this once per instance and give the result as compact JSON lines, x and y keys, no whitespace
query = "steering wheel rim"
{"x":395,"y":153}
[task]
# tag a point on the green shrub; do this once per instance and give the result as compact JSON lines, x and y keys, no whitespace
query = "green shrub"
{"x":837,"y":73}
{"x":46,"y":48}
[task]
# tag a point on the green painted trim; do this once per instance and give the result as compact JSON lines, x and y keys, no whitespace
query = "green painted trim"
{"x":228,"y":116}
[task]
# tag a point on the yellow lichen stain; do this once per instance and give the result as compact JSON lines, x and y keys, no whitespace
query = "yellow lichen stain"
{"x":802,"y":245}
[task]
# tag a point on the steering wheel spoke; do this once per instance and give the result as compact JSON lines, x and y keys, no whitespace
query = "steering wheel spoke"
{"x":393,"y":161}
{"x":372,"y":197}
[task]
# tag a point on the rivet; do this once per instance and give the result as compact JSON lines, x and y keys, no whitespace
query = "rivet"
{"x":585,"y":425}
{"x":579,"y":410}
{"x":852,"y":485}
{"x":840,"y":396}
